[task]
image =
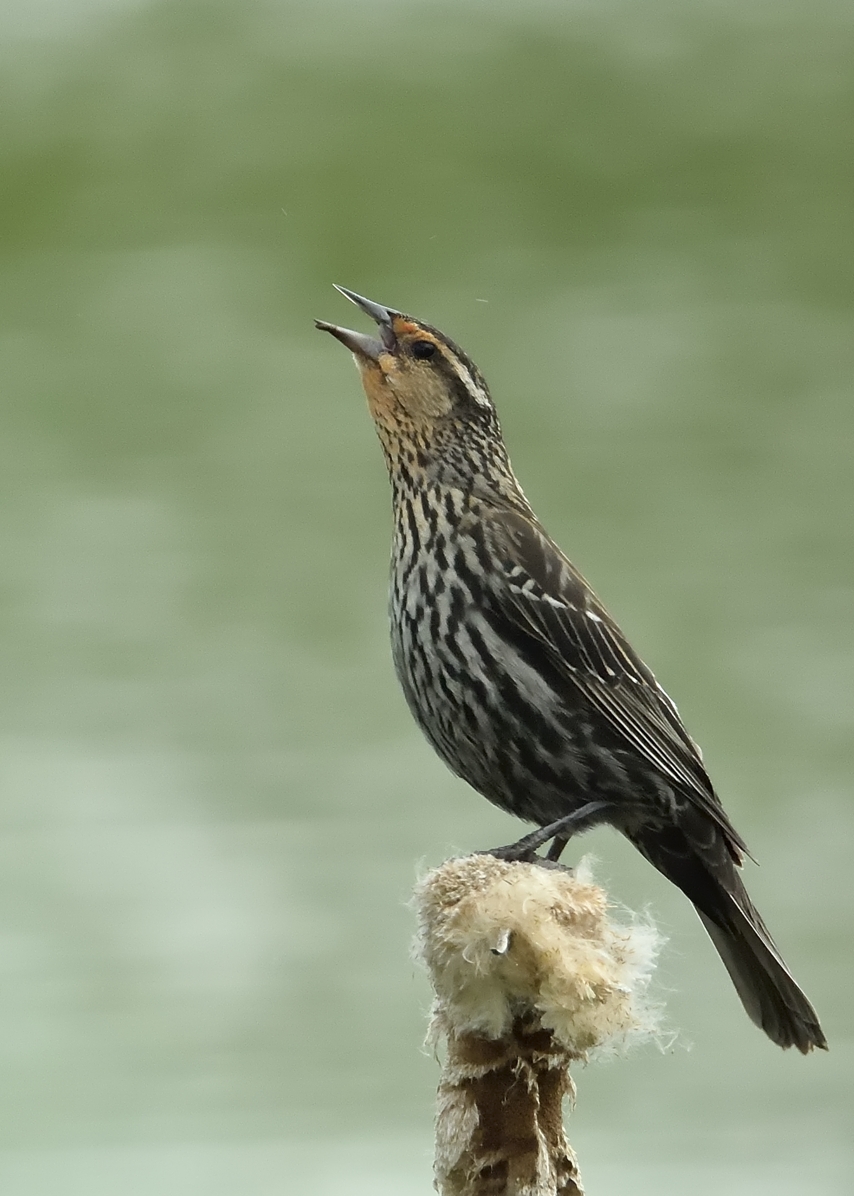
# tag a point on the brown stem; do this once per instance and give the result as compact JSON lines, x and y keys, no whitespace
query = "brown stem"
{"x":529,"y":974}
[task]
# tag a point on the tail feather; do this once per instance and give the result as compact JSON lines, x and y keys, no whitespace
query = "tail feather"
{"x":768,"y":991}
{"x":707,"y":875}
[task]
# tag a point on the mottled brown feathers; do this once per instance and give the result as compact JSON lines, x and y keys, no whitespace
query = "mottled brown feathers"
{"x":520,"y":679}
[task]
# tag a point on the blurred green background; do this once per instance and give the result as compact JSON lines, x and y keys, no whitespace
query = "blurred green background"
{"x":638,"y":219}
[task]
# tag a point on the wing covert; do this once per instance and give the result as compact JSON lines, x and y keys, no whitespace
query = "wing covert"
{"x":549,"y":600}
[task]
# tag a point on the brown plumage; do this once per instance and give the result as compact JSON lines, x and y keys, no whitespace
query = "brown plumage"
{"x":519,"y":677}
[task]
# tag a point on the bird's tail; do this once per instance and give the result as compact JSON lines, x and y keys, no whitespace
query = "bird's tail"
{"x":768,"y":991}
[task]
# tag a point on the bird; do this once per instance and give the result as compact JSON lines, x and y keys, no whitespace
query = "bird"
{"x":519,"y":677}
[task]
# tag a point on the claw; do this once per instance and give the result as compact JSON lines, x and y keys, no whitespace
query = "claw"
{"x":525,"y":850}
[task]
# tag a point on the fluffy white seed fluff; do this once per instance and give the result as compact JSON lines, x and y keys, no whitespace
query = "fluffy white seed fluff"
{"x":499,"y":938}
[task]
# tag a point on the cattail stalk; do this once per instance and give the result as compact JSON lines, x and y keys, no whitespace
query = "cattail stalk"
{"x":530,"y":974}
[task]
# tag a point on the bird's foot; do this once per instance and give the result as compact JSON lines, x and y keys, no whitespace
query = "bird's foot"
{"x":524,"y":851}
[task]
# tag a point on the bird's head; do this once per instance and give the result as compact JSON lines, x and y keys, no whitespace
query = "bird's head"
{"x":423,"y":392}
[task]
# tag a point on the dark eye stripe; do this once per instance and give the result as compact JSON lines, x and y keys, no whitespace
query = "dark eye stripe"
{"x":452,"y":361}
{"x":465,"y":387}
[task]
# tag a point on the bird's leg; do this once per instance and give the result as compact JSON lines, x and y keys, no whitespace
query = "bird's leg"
{"x":558,"y":844}
{"x":561,"y":831}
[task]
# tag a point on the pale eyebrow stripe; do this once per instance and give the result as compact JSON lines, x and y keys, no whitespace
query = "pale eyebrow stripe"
{"x":471,"y":387}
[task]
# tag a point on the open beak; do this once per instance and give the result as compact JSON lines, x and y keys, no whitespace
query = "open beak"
{"x":357,"y":342}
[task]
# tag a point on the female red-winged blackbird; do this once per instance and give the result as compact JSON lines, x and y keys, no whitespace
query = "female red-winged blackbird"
{"x":519,"y":677}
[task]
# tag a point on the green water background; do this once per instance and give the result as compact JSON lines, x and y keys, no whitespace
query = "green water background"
{"x":638,"y":219}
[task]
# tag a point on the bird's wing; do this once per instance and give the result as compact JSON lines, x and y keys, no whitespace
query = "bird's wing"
{"x":549,"y":601}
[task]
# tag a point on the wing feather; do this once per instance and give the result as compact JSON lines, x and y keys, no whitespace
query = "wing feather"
{"x":548,"y":599}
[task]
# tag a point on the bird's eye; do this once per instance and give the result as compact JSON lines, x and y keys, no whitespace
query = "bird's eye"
{"x":423,"y":349}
